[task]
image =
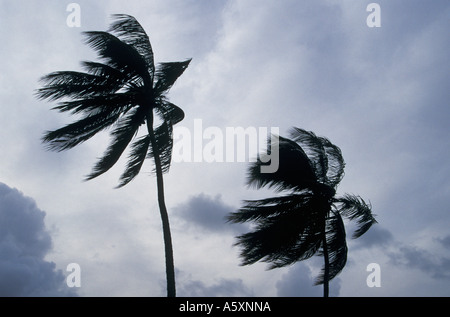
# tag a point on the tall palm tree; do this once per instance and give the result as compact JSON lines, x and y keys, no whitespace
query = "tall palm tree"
{"x":307,"y":219}
{"x":122,"y":92}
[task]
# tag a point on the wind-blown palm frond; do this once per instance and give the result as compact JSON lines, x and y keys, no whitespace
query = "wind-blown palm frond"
{"x":335,"y":161}
{"x":171,"y":115}
{"x":130,"y":31}
{"x":354,"y":207}
{"x":141,"y":149}
{"x":258,"y":210}
{"x":104,"y":71}
{"x":313,"y":147}
{"x":170,"y":112}
{"x":326,"y":157}
{"x":74,"y":85}
{"x":283,"y":229}
{"x":136,"y":159}
{"x":118,"y":55}
{"x":168,"y":73}
{"x":294,"y":173}
{"x":80,"y":131}
{"x":163,"y":146}
{"x":127,"y":128}
{"x":306,"y":219}
{"x":112,"y":103}
{"x":337,"y":247}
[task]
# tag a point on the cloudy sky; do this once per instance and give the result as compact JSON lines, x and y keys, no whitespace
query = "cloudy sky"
{"x":381,"y":94}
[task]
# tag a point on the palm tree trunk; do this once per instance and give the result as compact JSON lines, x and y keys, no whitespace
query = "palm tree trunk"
{"x":326,"y":275}
{"x":170,"y":268}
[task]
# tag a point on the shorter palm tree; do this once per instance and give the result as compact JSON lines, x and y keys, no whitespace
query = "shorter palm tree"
{"x":307,"y":219}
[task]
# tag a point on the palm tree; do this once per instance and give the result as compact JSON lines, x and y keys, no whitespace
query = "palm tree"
{"x":122,"y":92}
{"x":307,"y":219}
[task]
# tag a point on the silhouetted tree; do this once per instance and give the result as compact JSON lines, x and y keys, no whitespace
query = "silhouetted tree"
{"x":122,"y":92}
{"x":307,"y":219}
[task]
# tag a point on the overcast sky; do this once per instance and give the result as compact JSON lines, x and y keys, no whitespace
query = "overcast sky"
{"x":381,"y":94}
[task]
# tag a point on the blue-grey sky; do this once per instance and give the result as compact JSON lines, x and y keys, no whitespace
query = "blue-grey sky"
{"x":381,"y":94}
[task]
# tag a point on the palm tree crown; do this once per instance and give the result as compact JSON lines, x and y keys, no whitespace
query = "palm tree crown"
{"x":122,"y":92}
{"x":307,"y":219}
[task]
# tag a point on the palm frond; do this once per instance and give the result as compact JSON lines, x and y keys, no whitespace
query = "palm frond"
{"x":114,"y":103}
{"x":354,"y":207}
{"x":170,"y":115}
{"x":335,"y":160}
{"x":118,"y":54}
{"x":255,"y":210}
{"x":168,"y":111}
{"x":168,"y":73}
{"x":313,"y":147}
{"x":69,"y":84}
{"x":163,"y":146}
{"x":80,"y":131}
{"x":337,"y":248}
{"x":294,"y":173}
{"x":103,"y":70}
{"x":136,"y":159}
{"x":126,"y":129}
{"x":128,"y":29}
{"x":284,"y":234}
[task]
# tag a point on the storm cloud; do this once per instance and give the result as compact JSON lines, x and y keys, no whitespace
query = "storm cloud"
{"x":207,"y":212}
{"x":24,"y":243}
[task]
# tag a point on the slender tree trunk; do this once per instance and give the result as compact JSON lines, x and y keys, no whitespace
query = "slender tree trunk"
{"x":170,"y":268}
{"x":326,"y":275}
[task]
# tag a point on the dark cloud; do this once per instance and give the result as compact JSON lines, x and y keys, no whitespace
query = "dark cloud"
{"x":445,"y":241}
{"x":405,"y":255}
{"x":207,"y":212}
{"x":412,"y":257}
{"x":24,"y":242}
{"x":377,"y":236}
